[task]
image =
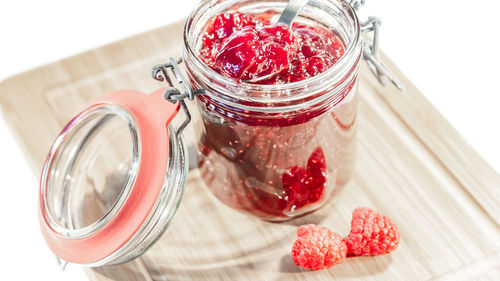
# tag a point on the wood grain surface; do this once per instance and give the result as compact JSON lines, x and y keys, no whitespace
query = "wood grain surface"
{"x":412,"y":165}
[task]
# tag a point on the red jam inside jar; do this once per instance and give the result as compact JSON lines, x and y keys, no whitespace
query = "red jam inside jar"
{"x":245,"y":47}
{"x":275,"y":165}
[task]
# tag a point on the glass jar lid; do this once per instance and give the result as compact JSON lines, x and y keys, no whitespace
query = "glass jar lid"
{"x":109,"y":176}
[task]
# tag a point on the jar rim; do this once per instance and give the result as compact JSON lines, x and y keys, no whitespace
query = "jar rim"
{"x":61,"y":144}
{"x":337,"y":71}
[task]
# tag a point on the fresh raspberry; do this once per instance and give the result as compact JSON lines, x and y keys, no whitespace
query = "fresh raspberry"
{"x":318,"y":248}
{"x":371,"y":234}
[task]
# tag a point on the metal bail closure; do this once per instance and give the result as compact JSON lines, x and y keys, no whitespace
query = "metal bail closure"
{"x":160,"y":72}
{"x":370,"y":49}
{"x":113,"y":179}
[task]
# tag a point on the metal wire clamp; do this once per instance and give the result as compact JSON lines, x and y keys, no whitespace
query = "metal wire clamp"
{"x":160,"y":72}
{"x":370,"y":48}
{"x":356,"y":4}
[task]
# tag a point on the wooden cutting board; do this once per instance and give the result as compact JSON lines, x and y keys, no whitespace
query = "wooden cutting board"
{"x":412,"y":166}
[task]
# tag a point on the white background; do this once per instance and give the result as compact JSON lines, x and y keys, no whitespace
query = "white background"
{"x":448,"y":48}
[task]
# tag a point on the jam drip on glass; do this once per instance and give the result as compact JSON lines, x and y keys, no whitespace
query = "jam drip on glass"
{"x":271,"y":166}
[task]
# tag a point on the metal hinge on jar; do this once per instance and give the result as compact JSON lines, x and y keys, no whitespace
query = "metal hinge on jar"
{"x":370,"y":48}
{"x":160,"y":72}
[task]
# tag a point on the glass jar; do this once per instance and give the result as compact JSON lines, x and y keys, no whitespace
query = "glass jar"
{"x":277,"y":151}
{"x":114,"y":177}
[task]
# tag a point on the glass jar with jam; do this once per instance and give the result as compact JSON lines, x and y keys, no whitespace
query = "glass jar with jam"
{"x":280,"y":147}
{"x":276,"y":138}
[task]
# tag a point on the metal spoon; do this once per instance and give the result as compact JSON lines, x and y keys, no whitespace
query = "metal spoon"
{"x":291,"y":11}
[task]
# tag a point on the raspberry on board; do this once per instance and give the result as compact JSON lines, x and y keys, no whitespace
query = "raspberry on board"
{"x":318,"y":248}
{"x":371,"y":234}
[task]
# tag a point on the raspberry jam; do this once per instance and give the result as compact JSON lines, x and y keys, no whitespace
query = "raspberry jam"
{"x":245,"y":47}
{"x":280,"y":147}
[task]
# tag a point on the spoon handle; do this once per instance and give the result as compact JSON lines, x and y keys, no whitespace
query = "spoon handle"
{"x":292,"y":9}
